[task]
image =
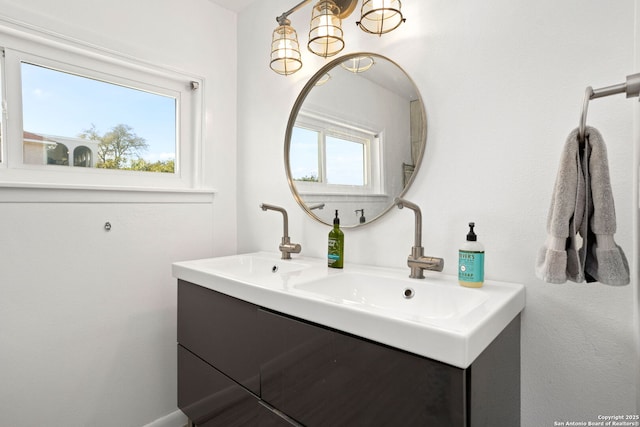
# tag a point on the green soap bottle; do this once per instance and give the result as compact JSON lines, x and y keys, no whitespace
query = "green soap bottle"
{"x":336,"y":245}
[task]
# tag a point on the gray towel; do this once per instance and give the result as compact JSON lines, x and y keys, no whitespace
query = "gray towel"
{"x":582,"y":204}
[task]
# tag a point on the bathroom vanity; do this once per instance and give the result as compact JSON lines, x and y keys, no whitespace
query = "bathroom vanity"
{"x":265,"y":342}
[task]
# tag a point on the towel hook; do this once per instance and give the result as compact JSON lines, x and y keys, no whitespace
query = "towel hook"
{"x":588,"y":94}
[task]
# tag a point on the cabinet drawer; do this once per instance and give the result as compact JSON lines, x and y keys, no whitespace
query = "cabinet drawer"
{"x":323,"y":377}
{"x":221,"y":330}
{"x":211,"y":399}
{"x":269,"y":418}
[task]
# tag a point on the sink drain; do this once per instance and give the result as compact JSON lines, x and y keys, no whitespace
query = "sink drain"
{"x":274,"y":268}
{"x":408,"y":293}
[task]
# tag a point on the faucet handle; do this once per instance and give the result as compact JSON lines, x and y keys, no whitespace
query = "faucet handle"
{"x":418,"y":265}
{"x":433,"y":263}
{"x":287,"y":248}
{"x":291,"y":248}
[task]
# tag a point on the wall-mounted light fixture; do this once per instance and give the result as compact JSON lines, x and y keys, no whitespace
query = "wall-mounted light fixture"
{"x":285,"y":52}
{"x":325,"y":34}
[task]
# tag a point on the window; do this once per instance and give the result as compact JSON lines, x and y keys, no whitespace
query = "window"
{"x":117,"y":127}
{"x":83,"y":117}
{"x":337,"y":157}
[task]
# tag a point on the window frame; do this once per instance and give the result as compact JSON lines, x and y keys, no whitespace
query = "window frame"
{"x":373,"y":164}
{"x":19,"y":46}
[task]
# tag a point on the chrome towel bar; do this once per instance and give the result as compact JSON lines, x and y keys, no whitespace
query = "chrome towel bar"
{"x":631,"y":87}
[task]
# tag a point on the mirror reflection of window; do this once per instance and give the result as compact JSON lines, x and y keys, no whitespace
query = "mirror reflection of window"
{"x":326,"y":158}
{"x":345,"y":162}
{"x":304,"y":154}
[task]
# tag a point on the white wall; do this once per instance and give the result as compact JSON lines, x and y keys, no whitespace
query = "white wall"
{"x":503,"y":83}
{"x":87,"y":317}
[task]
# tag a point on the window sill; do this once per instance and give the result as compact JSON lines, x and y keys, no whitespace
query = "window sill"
{"x":55,"y":193}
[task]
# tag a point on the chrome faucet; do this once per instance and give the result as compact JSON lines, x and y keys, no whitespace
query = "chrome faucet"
{"x":416,"y":261}
{"x":286,"y":247}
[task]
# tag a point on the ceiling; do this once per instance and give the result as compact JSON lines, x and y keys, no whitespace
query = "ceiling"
{"x":234,"y":5}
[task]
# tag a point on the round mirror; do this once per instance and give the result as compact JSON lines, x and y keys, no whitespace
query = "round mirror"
{"x":355,"y":139}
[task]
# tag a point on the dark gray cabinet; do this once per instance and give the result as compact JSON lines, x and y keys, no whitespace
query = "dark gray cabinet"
{"x":221,"y":330}
{"x":209,"y":397}
{"x":323,"y":377}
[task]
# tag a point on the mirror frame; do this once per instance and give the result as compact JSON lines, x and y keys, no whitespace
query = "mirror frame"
{"x":294,"y":115}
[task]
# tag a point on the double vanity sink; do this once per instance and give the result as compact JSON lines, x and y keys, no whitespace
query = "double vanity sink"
{"x":434,"y":317}
{"x":468,"y":336}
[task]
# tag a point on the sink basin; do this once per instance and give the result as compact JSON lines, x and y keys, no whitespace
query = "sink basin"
{"x":254,"y":266}
{"x":442,"y":320}
{"x":409,"y":299}
{"x":259,"y":269}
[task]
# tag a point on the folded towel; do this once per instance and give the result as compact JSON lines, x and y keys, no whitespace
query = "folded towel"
{"x":558,"y":259}
{"x":582,"y":204}
{"x":604,"y":260}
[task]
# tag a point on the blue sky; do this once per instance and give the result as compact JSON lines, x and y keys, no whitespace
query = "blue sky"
{"x":57,"y":103}
{"x":303,"y":153}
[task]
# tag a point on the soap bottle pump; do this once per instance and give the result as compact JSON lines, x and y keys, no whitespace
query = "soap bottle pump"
{"x":471,"y":261}
{"x":336,"y":245}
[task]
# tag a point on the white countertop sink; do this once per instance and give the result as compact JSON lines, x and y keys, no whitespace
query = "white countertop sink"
{"x":261,"y":267}
{"x":442,"y":320}
{"x":420,"y":301}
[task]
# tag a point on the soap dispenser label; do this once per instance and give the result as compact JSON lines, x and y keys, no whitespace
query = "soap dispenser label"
{"x":471,"y":266}
{"x":334,"y":252}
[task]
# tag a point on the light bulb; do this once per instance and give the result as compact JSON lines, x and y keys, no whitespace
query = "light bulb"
{"x":326,"y":26}
{"x":284,"y":48}
{"x":378,"y":5}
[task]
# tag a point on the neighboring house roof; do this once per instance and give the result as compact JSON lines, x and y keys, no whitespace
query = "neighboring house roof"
{"x":34,"y":136}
